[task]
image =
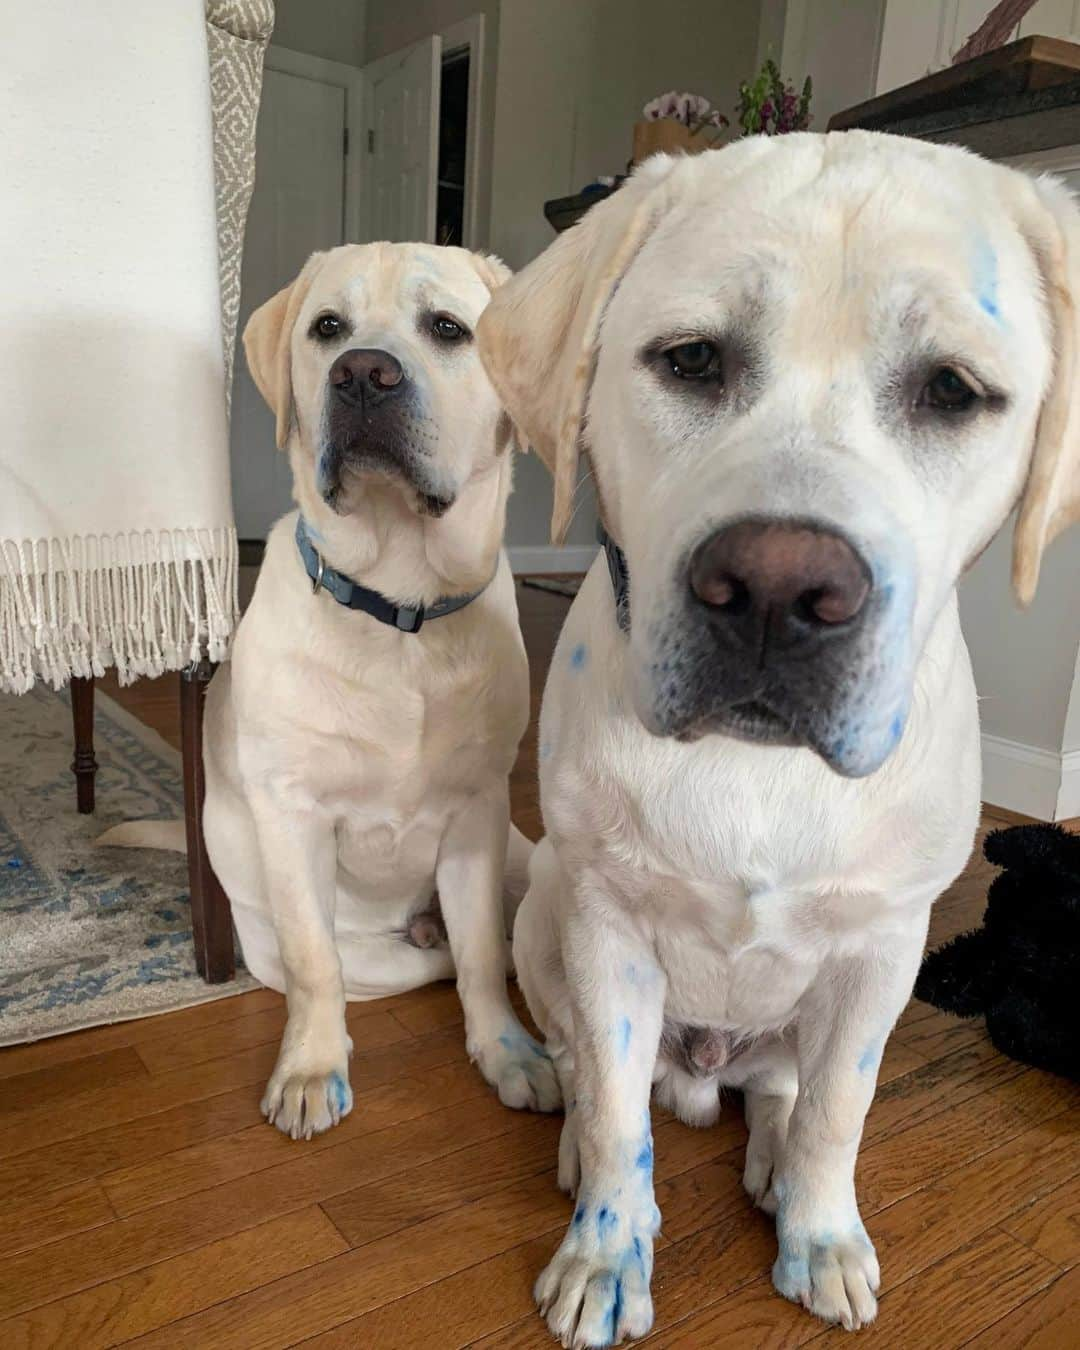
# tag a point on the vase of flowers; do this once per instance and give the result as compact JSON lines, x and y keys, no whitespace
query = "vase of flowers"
{"x":672,"y":122}
{"x":770,"y":107}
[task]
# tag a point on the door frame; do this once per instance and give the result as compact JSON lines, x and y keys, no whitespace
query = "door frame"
{"x":351,"y":79}
{"x":469,"y":33}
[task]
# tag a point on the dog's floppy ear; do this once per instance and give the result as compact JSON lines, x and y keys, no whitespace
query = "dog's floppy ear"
{"x":1051,"y":497}
{"x":493,"y":272}
{"x":267,"y":337}
{"x":538,"y":335}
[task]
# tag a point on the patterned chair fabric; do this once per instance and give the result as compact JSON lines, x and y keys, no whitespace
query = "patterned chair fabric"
{"x":237,"y":32}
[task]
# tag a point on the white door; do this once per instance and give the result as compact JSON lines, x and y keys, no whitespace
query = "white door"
{"x":401,"y":131}
{"x":298,"y":206}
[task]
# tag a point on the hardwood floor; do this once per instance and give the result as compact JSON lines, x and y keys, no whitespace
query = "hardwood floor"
{"x":145,"y":1202}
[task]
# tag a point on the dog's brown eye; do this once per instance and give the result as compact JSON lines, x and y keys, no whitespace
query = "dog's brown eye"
{"x":327,"y":325}
{"x":948,"y":391}
{"x":446,"y":328}
{"x":694,"y":360}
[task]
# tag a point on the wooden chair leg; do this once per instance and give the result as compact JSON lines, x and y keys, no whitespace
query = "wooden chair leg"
{"x":211,"y":920}
{"x":84,"y":766}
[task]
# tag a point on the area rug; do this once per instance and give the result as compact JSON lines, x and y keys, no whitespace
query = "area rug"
{"x":88,"y":935}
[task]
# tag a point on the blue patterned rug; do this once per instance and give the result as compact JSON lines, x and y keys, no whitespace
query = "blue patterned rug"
{"x":88,"y":935}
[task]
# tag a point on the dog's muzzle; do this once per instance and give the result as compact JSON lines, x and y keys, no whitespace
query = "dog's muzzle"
{"x":376,"y":422}
{"x":783,"y":637}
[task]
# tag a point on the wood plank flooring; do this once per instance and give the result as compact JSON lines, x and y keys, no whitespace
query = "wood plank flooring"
{"x":143,"y":1202}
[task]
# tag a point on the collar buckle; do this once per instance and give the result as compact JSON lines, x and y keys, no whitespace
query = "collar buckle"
{"x":409,"y":620}
{"x":316,"y":580}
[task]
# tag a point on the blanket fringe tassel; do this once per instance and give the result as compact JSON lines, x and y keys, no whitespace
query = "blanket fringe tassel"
{"x":143,"y":602}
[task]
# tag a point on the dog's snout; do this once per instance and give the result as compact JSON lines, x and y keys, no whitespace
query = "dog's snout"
{"x":776,"y":580}
{"x":367,"y":373}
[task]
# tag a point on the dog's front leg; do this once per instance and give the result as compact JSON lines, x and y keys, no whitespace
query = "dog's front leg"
{"x":309,"y":1089}
{"x":826,"y":1261}
{"x":596,"y":1289}
{"x":469,"y":878}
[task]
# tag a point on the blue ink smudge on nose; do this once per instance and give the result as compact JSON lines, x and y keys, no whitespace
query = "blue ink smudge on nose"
{"x":578,"y":657}
{"x":622,"y":1037}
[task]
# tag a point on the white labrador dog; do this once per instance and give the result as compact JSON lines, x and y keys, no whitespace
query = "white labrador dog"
{"x":356,"y":763}
{"x":813,"y":375}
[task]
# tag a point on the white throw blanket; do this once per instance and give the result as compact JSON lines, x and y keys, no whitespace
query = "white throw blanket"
{"x":117,"y":544}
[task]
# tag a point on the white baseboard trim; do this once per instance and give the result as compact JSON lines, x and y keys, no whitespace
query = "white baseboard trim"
{"x":539,"y":558}
{"x":1026,"y":778}
{"x":1068,"y":805}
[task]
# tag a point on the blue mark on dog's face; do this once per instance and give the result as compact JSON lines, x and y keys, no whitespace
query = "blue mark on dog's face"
{"x":985,"y":276}
{"x":579,"y":656}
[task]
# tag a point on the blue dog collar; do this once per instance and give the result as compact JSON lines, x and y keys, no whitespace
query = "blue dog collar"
{"x":406,"y":618}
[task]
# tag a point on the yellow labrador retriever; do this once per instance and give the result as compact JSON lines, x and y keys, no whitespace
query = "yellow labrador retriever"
{"x":359,"y":742}
{"x":814,"y":374}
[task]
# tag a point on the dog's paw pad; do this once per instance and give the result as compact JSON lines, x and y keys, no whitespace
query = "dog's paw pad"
{"x":302,"y":1106}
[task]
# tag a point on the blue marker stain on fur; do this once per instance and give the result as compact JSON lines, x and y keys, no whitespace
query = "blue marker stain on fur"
{"x":622,"y":1037}
{"x":579,"y":656}
{"x":871,"y":1056}
{"x":606,"y":1219}
{"x":340,"y":1092}
{"x":644,"y":1160}
{"x":616,"y":1310}
{"x":545,"y":750}
{"x":985,"y":271}
{"x":579,"y":1215}
{"x":896,"y":730}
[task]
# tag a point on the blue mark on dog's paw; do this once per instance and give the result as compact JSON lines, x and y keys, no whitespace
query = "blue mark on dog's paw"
{"x":579,"y":656}
{"x":579,"y":1215}
{"x":340,"y":1092}
{"x":606,"y":1219}
{"x":622,"y":1037}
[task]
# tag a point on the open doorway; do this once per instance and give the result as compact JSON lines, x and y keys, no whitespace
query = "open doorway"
{"x":453,"y":147}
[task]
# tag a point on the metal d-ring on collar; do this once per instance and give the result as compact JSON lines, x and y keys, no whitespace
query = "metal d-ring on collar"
{"x":620,"y":577}
{"x":405,"y":618}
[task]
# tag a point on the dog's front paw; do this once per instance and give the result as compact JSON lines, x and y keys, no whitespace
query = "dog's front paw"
{"x":303,"y":1099}
{"x":518,"y":1068}
{"x":596,"y":1290}
{"x":833,"y":1274}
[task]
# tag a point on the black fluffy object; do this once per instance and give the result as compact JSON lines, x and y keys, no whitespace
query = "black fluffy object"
{"x":1022,"y":968}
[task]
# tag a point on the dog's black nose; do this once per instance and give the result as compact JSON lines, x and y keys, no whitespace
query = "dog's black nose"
{"x":773,"y":583}
{"x":367,"y":374}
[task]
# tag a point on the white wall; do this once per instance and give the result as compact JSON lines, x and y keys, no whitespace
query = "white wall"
{"x":332,"y":29}
{"x":836,"y":42}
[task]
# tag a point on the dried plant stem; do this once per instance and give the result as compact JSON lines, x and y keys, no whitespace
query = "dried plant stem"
{"x":995,"y":29}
